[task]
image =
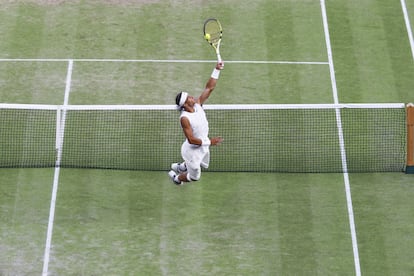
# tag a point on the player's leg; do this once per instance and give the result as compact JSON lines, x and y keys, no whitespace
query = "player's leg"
{"x":194,"y":158}
{"x":193,"y":173}
{"x":174,"y":177}
{"x":179,"y":167}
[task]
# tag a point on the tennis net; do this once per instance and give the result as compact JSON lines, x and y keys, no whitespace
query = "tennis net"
{"x":257,"y":138}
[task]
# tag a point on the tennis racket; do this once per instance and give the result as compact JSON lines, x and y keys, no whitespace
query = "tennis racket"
{"x":213,"y":33}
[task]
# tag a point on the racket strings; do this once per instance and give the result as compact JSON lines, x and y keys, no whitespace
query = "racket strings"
{"x":213,"y":28}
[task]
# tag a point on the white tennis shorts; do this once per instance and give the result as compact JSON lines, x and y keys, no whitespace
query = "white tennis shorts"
{"x":195,"y":157}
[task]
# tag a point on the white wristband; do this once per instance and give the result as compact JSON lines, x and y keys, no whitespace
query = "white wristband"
{"x":215,"y":74}
{"x":206,"y":142}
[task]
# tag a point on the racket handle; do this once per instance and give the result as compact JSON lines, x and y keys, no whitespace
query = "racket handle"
{"x":219,"y":57}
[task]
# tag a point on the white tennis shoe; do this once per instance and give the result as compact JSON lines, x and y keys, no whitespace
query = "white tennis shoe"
{"x":174,"y":178}
{"x":179,"y":167}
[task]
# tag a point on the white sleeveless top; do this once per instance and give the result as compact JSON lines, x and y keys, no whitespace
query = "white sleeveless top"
{"x":198,"y":121}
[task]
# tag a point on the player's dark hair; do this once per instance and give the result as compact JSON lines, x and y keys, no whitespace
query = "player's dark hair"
{"x":178,"y":98}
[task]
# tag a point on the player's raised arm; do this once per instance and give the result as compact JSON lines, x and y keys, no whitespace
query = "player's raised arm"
{"x":211,"y":83}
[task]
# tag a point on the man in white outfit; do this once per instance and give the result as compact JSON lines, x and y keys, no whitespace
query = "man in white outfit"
{"x":195,"y":149}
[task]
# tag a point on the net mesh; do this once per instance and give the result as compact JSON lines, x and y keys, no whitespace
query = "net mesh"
{"x":121,"y":139}
{"x":27,"y":138}
{"x":256,"y":140}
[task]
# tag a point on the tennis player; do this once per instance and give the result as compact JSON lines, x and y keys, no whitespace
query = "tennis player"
{"x":196,"y":148}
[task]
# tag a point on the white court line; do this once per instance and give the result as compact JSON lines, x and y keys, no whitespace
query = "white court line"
{"x":408,"y":26}
{"x":341,"y":142}
{"x":59,"y":146}
{"x":162,"y":61}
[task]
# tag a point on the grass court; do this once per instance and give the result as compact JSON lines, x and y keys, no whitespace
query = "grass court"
{"x":114,"y":222}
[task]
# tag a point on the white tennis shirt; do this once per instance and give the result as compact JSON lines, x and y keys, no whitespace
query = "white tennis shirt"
{"x":198,"y":121}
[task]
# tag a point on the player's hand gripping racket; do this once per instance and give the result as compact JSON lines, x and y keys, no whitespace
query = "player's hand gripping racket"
{"x":213,"y":33}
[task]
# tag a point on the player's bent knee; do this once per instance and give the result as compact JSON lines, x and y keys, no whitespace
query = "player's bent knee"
{"x":193,"y":171}
{"x":195,"y":177}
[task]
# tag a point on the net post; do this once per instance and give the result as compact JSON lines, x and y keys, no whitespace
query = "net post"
{"x":410,"y":139}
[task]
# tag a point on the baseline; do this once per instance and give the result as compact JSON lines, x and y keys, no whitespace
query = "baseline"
{"x":162,"y":61}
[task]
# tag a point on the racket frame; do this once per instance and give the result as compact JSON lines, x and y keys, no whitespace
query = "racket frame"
{"x":217,"y":41}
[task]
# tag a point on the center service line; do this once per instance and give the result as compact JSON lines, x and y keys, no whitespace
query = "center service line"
{"x":60,"y":131}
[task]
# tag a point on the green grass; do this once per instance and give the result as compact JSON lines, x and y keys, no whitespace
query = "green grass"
{"x":383,"y":213}
{"x":32,"y":82}
{"x":131,"y":223}
{"x":24,"y":208}
{"x":249,"y":223}
{"x":371,"y":51}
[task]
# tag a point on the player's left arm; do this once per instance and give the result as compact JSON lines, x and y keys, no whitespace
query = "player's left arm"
{"x":188,"y":132}
{"x":211,"y":83}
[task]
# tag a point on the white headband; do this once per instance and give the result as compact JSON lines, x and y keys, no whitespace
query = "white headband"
{"x":183,"y":98}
